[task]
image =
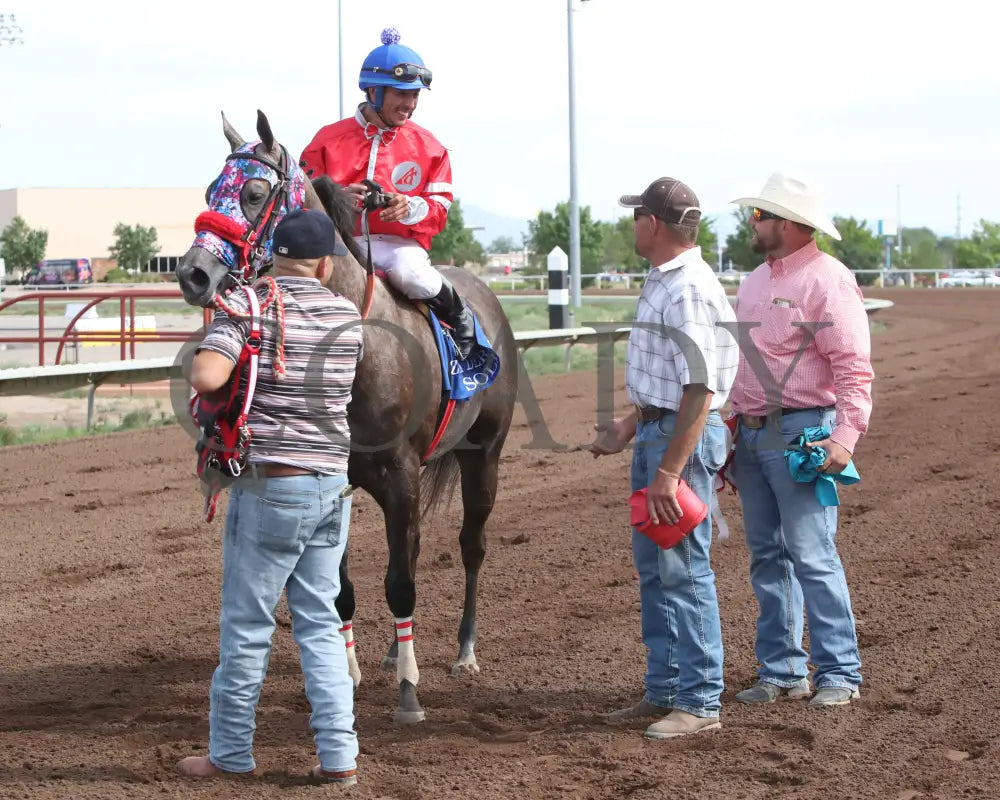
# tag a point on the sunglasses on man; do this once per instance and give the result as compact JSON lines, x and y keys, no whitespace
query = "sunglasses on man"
{"x":760,"y":215}
{"x":408,"y":73}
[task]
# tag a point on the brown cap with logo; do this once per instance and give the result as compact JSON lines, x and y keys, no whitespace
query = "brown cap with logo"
{"x":667,"y":199}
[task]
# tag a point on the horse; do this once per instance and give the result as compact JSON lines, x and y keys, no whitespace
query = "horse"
{"x":396,"y":398}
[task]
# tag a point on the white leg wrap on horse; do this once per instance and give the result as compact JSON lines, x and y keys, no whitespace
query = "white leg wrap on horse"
{"x":406,"y":664}
{"x":352,"y":659}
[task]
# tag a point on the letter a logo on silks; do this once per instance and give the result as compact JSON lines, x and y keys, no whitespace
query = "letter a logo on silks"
{"x":406,"y":176}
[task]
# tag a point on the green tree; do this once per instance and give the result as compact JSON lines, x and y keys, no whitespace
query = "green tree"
{"x":921,"y":250}
{"x":619,"y":247}
{"x":502,"y":244}
{"x":708,"y":240}
{"x":23,"y":246}
{"x":947,"y":246}
{"x":741,"y":255}
{"x":134,"y":246}
{"x":456,"y":245}
{"x":858,"y":248}
{"x":551,"y":229}
{"x":982,"y":249}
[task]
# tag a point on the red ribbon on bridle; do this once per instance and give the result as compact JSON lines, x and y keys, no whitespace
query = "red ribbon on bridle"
{"x":249,"y":239}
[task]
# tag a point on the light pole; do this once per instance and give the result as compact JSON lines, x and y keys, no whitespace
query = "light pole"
{"x":340,"y":56}
{"x":574,"y":200}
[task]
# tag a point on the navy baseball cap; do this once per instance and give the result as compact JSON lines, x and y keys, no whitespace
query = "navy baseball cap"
{"x":307,"y":233}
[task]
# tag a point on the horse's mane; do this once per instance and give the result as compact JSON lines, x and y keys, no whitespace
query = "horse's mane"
{"x":340,"y":207}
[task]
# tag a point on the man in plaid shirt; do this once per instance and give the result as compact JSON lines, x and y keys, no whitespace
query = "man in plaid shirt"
{"x":680,"y":364}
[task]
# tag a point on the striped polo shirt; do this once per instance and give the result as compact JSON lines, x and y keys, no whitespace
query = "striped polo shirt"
{"x":300,"y":419}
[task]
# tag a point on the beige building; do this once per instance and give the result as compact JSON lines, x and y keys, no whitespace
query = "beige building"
{"x":81,"y":222}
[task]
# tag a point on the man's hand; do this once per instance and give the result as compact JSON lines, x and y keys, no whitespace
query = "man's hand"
{"x":613,"y":436}
{"x":661,"y":499}
{"x":399,"y":207}
{"x":837,"y":456}
{"x":358,"y":192}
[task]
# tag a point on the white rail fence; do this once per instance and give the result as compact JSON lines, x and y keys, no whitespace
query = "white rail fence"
{"x":65,"y":377}
{"x":930,"y":278}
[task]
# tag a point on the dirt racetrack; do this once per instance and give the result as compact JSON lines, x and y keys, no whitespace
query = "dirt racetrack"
{"x":108,"y":628}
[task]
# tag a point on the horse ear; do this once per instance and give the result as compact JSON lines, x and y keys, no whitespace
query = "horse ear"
{"x":235,"y":140}
{"x":264,"y":131}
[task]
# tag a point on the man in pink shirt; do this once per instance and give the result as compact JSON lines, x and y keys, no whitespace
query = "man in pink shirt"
{"x":804,"y":361}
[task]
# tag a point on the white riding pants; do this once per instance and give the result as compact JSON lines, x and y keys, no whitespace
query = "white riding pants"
{"x":405,"y":263}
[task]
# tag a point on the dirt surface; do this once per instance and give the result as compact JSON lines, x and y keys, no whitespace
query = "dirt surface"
{"x":108,"y":617}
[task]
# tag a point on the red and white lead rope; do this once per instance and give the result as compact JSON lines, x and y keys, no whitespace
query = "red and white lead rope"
{"x":273,"y":298}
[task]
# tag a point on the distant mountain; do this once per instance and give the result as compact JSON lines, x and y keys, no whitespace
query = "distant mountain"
{"x":493,"y":225}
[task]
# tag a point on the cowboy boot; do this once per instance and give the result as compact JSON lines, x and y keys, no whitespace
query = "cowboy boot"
{"x":451,"y":310}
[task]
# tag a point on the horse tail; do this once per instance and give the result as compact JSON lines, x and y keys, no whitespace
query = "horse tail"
{"x":438,"y":483}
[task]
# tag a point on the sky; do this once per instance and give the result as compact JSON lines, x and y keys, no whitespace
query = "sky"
{"x":867,"y":101}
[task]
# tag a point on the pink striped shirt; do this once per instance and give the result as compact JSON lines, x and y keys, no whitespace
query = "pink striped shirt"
{"x":783,"y":296}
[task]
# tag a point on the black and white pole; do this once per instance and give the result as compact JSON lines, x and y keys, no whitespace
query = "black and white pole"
{"x":558,"y":263}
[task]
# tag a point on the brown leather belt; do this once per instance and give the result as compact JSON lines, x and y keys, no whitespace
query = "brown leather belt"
{"x":652,"y":413}
{"x":267,"y":470}
{"x":753,"y":423}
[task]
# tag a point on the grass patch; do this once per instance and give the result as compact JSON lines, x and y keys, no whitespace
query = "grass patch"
{"x":46,"y":434}
{"x":535,"y":316}
{"x":107,"y":309}
{"x":551,"y":360}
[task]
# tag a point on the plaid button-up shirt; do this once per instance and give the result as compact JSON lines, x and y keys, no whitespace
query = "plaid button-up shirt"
{"x":676,"y":338}
{"x":786,"y":298}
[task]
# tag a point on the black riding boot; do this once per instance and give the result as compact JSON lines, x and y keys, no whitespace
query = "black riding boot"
{"x":451,"y":310}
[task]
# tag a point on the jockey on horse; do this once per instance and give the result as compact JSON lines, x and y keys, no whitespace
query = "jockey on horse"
{"x":379,"y":147}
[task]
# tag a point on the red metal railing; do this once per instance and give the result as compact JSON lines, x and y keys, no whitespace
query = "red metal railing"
{"x":126,"y":337}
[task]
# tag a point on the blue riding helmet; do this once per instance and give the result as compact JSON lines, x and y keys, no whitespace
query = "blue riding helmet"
{"x":392,"y":65}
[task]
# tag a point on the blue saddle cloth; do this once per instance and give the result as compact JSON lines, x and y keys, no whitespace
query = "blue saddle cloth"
{"x":462,"y":379}
{"x":803,"y":464}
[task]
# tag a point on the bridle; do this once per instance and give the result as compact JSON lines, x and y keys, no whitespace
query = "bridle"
{"x":250,"y":241}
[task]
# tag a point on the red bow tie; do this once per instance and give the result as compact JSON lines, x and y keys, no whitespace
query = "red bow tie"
{"x":372,"y":130}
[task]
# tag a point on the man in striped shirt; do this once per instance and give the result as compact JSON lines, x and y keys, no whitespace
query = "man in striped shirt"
{"x":287,"y":523}
{"x":680,"y":364}
{"x":805,"y":361}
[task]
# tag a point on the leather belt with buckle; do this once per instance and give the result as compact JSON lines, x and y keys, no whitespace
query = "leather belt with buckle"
{"x":652,"y":413}
{"x":753,"y":422}
{"x":269,"y":470}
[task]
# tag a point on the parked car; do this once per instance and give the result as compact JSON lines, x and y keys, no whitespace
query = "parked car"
{"x":732,"y":276}
{"x":970,"y":277}
{"x":61,"y":272}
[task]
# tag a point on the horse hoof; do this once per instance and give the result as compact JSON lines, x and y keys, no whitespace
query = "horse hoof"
{"x":401,"y":717}
{"x":468,"y":668}
{"x":388,"y":664}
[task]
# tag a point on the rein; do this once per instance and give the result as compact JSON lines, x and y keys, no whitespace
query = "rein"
{"x":374,"y":200}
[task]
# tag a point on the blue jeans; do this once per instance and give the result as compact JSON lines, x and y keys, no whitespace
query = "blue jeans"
{"x":680,"y":609}
{"x":283,"y":533}
{"x":794,"y":563}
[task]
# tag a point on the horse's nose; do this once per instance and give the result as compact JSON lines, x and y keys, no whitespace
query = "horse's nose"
{"x":195,"y":281}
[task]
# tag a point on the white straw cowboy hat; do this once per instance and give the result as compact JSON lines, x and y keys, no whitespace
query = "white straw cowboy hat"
{"x":791,"y":199}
